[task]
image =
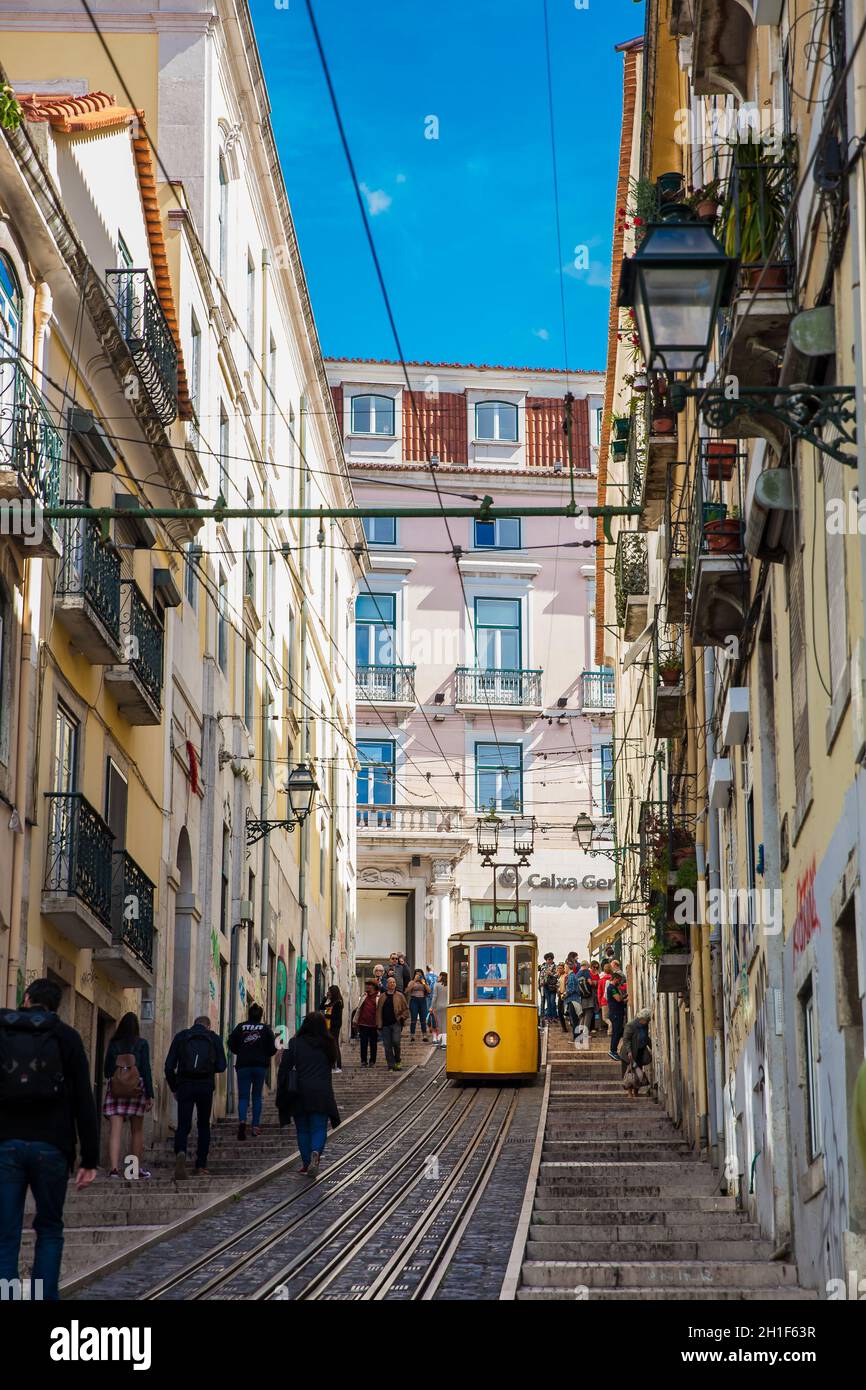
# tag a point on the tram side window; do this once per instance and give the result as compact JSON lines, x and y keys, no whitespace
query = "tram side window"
{"x":459,"y":976}
{"x":524,"y":974}
{"x":491,"y":972}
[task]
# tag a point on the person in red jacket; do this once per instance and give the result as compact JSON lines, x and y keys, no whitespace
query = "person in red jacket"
{"x":594,"y":979}
{"x":364,"y":1020}
{"x":604,"y":980}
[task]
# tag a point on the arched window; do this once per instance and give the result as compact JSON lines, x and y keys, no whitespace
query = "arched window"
{"x":223,"y":219}
{"x":496,"y":420}
{"x":10,"y":306}
{"x":372,"y":415}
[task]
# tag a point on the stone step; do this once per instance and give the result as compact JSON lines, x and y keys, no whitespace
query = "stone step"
{"x":621,"y":1151}
{"x":551,"y":1198}
{"x":544,"y":1246}
{"x":644,"y":1274}
{"x":715,"y":1294}
{"x":688,"y":1224}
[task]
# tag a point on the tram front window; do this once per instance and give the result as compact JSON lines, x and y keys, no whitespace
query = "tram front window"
{"x":491,"y":972}
{"x":524,"y":972}
{"x":459,"y":976}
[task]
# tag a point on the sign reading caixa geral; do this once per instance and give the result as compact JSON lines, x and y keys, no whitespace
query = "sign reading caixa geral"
{"x":589,"y":882}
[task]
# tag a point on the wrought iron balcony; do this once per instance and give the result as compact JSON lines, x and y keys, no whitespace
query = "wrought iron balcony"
{"x":410,"y":820}
{"x":148,"y":336}
{"x":389,"y":685}
{"x":631,"y":582}
{"x":129,"y":958}
{"x":77,"y":893}
{"x":597,"y":691}
{"x":637,"y":450}
{"x":88,"y":591}
{"x":137,"y":685}
{"x":517,"y":688}
{"x":30,"y":453}
{"x":717,"y":564}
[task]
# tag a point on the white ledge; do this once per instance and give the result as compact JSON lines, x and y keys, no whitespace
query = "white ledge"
{"x":489,"y":564}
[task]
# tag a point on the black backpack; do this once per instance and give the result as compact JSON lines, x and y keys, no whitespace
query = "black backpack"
{"x":31,"y":1063}
{"x":197,"y":1057}
{"x":584,"y":985}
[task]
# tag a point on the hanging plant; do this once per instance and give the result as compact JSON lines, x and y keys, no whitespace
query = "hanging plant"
{"x":10,"y":109}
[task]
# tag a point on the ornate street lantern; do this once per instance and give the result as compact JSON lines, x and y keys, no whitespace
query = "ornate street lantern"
{"x":487,"y":834}
{"x":301,"y":787}
{"x":676,"y":282}
{"x":584,"y":830}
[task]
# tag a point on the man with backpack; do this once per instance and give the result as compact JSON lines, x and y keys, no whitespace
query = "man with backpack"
{"x":195,"y":1058}
{"x":617,"y":1005}
{"x":548,"y":983}
{"x":581,"y":995}
{"x":46,"y":1099}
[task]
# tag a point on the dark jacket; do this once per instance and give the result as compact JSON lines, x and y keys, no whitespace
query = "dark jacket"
{"x":141,"y":1053}
{"x":315,"y":1093}
{"x":636,"y":1030}
{"x":617,"y":1007}
{"x":401,"y":969}
{"x":57,"y":1121}
{"x":173,"y":1073}
{"x":253,"y":1044}
{"x":335,"y":1019}
{"x":401,"y":1008}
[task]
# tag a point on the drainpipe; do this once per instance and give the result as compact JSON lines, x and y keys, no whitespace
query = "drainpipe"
{"x":701,"y":1009}
{"x":713,"y":878}
{"x":857,"y":216}
{"x":305,"y":824}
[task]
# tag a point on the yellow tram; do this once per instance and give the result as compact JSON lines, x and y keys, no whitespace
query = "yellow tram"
{"x":492,"y":1014}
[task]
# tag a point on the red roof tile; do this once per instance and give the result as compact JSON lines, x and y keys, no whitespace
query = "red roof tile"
{"x":466,"y":366}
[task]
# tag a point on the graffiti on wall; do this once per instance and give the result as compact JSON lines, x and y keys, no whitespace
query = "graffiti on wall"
{"x":281,"y":1008}
{"x":807,"y":921}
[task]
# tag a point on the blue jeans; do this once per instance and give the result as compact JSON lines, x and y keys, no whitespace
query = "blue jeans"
{"x":312,"y":1135}
{"x":550,"y":1010}
{"x":45,"y":1170}
{"x":417,"y":1010}
{"x":247,"y":1077}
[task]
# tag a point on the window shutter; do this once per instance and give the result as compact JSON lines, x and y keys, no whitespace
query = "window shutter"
{"x":837,"y":606}
{"x":796,"y":618}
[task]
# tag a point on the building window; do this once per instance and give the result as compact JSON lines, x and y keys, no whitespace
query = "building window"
{"x":375,"y":616}
{"x":223,"y":219}
{"x":606,"y":753}
{"x":249,"y":550}
{"x":271,"y":405}
{"x":501,"y":534}
{"x":498,"y":777}
{"x":65,"y":772}
{"x":251,"y":929}
{"x":223,"y":623}
{"x":595,"y":415}
{"x":10,"y":306}
{"x":193,"y":552}
{"x":194,"y":364}
{"x":251,"y":312}
{"x":481,"y":915}
{"x":224,"y":454}
{"x":799,"y":692}
{"x":496,"y":420}
{"x":272,"y":605}
{"x":497,"y":634}
{"x":225,"y":873}
{"x":375,"y":780}
{"x":810,"y":1068}
{"x":373,"y":415}
{"x":249,"y":685}
{"x":380,"y":530}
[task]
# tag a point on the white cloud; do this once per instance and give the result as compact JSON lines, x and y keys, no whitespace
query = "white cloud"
{"x":542,"y":333}
{"x":596,"y":274}
{"x":377,"y":200}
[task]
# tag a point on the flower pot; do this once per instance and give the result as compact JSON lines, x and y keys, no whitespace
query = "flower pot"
{"x":707,"y":210}
{"x":723,"y":535}
{"x":670,"y":675}
{"x":622,"y":426}
{"x":640,"y":382}
{"x":721,"y":460}
{"x":619,"y":448}
{"x":771,"y":278}
{"x":663,"y":422}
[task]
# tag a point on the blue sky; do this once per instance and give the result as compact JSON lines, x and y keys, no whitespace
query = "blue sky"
{"x":464,"y":224}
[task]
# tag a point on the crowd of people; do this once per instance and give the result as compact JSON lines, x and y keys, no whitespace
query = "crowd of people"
{"x":591,"y":996}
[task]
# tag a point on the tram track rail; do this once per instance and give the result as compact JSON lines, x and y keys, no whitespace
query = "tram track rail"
{"x":196,"y":1265}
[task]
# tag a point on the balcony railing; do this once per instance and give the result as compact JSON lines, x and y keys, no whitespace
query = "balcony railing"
{"x":148,"y":336}
{"x":631,"y":570}
{"x":637,"y":450}
{"x":30,"y":443}
{"x":597,"y":690}
{"x":91,"y":570}
{"x":410,"y":820}
{"x":758,"y":195}
{"x":78,"y":863}
{"x":132,"y":908}
{"x":385,"y":684}
{"x":509,"y":687}
{"x":715,"y":523}
{"x":142,"y":639}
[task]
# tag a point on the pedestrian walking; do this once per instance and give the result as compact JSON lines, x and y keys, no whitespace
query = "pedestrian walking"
{"x":129,"y":1094}
{"x":195,"y":1059}
{"x":438,"y":1008}
{"x":46,"y":1111}
{"x":635,"y":1049}
{"x":402,"y":972}
{"x":431,"y":977}
{"x":333,"y":1012}
{"x":562,"y":974}
{"x":391,"y":1013}
{"x":253,"y":1045}
{"x":603,"y":982}
{"x":305,"y":1090}
{"x":364,"y":1020}
{"x":417,"y":993}
{"x":379,"y":976}
{"x":547,"y":984}
{"x":617,"y":1005}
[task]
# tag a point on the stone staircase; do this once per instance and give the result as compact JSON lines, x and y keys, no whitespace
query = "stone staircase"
{"x":114,"y":1215}
{"x":624,"y":1209}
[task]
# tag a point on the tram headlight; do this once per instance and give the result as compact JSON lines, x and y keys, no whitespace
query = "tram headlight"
{"x":492,"y":1039}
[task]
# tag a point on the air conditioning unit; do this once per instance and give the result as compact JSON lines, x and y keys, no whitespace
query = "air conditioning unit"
{"x":721,"y":781}
{"x":735,"y":719}
{"x":245,"y":912}
{"x":766,"y":11}
{"x":769,"y":499}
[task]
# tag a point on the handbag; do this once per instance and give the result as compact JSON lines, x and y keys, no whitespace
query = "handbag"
{"x":629,"y":1079}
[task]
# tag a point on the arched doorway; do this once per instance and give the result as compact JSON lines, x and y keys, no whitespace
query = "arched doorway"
{"x":183,"y":1004}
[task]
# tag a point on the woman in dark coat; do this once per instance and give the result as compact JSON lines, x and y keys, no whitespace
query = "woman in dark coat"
{"x":128,"y":1042}
{"x":332,"y":1008}
{"x":305,"y":1091}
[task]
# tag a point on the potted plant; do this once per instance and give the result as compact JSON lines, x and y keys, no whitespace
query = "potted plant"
{"x":621,"y":426}
{"x":722,"y":533}
{"x":705,"y":201}
{"x":640,"y":382}
{"x":755,"y":214}
{"x":663,"y":420}
{"x":619,"y":448}
{"x":721,"y":460}
{"x":670,"y":668}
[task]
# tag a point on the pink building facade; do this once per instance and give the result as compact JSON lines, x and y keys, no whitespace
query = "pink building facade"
{"x":473,"y":644}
